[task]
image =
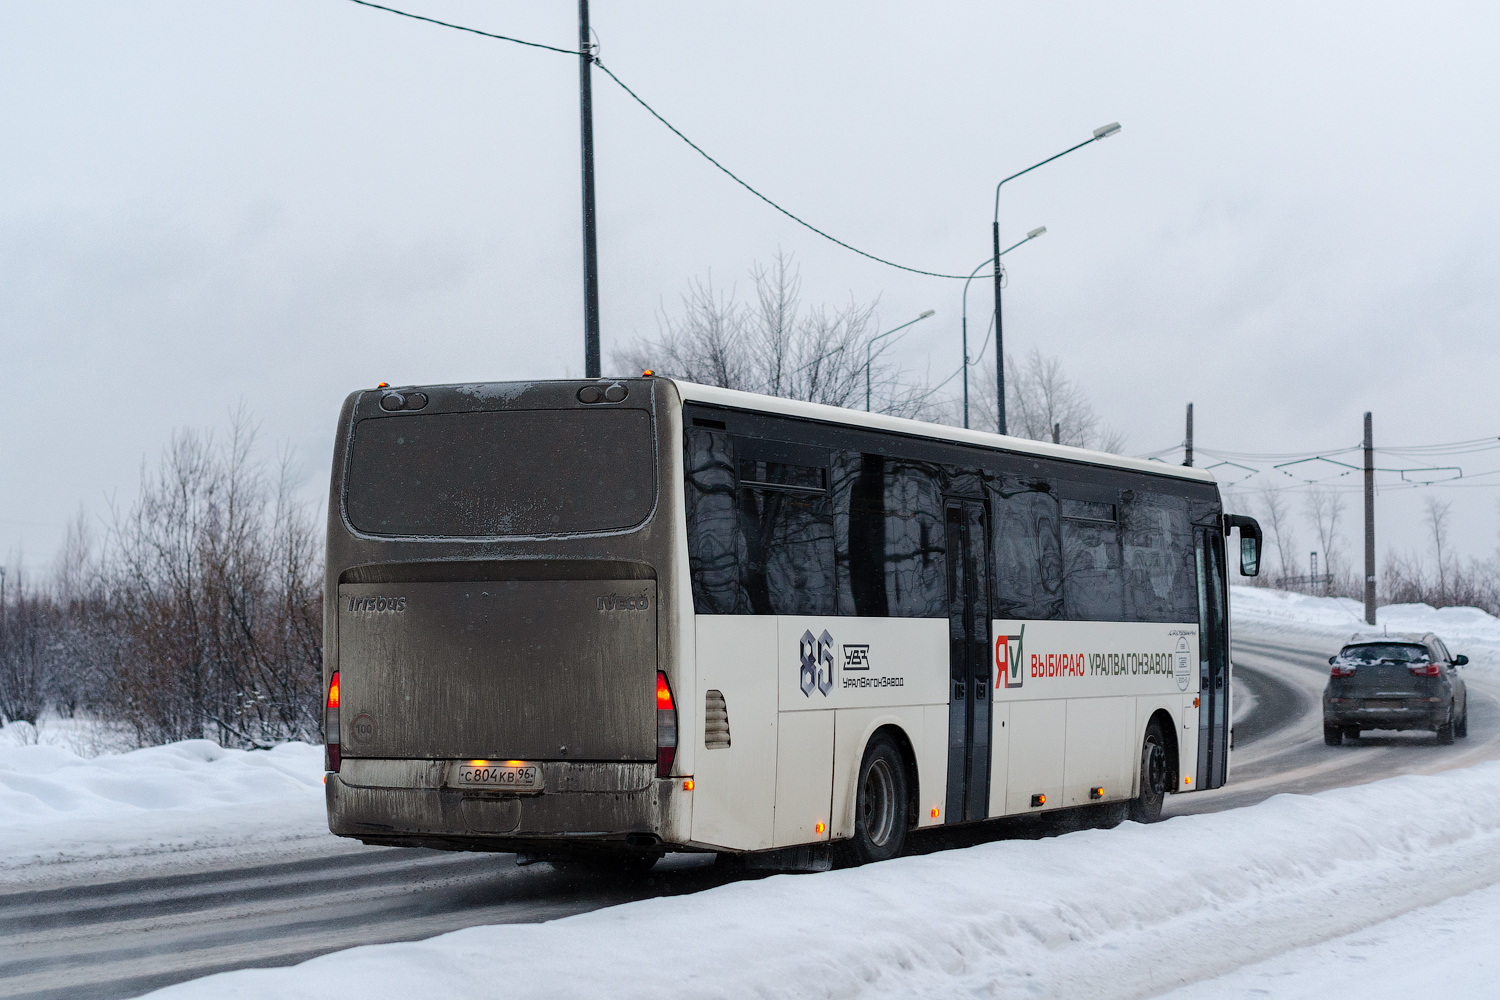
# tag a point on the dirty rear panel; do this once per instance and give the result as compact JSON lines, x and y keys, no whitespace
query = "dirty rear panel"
{"x":500,"y":585}
{"x":532,"y":669}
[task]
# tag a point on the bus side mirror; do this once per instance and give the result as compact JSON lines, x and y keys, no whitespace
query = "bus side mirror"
{"x":1249,"y":542}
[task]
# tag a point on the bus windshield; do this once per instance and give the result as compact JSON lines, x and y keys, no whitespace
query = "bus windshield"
{"x":501,"y":472}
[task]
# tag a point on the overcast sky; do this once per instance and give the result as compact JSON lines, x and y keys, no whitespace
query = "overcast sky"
{"x":280,"y":202}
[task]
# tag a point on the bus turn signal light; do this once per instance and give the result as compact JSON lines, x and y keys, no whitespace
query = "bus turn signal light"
{"x":819,"y":827}
{"x":935,"y":811}
{"x":1038,"y":800}
{"x":1096,"y":793}
{"x":687,"y":786}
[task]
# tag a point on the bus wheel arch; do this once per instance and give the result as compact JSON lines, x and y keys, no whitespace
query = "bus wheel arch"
{"x":883,"y":798}
{"x":1168,"y":725}
{"x":1158,"y":757}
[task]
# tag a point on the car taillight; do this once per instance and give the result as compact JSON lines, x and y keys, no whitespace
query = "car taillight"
{"x":1342,"y":670}
{"x":331,"y":725}
{"x":1425,"y":669}
{"x":666,"y":727}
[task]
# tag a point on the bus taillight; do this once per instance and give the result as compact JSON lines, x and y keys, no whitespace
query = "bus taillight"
{"x":666,"y":727}
{"x":331,"y":725}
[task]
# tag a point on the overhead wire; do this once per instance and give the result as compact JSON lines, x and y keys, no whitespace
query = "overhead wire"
{"x":672,"y":128}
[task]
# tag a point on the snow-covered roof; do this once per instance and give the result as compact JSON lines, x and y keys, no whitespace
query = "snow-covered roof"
{"x":695,"y":393}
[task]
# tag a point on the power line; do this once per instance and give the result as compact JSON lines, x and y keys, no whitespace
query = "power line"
{"x":674,"y":130}
{"x":472,"y":31}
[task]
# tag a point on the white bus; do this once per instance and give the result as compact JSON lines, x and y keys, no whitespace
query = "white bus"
{"x":601,"y":620}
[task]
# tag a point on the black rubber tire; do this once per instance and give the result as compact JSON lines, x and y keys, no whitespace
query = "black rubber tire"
{"x":1332,"y":735}
{"x":1461,"y":727}
{"x":1445,"y":733}
{"x":1351,"y":733}
{"x":1146,"y":806}
{"x":881,"y":806}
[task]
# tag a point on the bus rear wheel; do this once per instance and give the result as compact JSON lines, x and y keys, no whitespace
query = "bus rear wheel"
{"x":1146,"y":806}
{"x":880,"y":811}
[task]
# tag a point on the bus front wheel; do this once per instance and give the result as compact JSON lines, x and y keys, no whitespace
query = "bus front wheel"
{"x":1146,"y":807}
{"x":880,"y":818}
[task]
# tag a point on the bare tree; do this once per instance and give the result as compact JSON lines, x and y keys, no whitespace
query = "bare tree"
{"x":775,"y":345}
{"x":213,"y":585}
{"x":1437,"y":526}
{"x":25,"y":618}
{"x":1325,"y":510}
{"x":1278,"y":518}
{"x":1040,"y":397}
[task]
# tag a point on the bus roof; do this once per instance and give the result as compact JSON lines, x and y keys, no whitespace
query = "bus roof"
{"x":692,"y":392}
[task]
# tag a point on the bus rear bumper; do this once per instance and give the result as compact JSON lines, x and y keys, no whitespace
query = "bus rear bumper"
{"x":604,"y":806}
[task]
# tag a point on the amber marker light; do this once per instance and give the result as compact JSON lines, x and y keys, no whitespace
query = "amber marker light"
{"x":647,"y":373}
{"x":1195,"y":702}
{"x":383,"y":385}
{"x":479,"y":763}
{"x":935,"y":812}
{"x":687,"y":785}
{"x":819,"y":827}
{"x":514,"y":763}
{"x":1187,"y":779}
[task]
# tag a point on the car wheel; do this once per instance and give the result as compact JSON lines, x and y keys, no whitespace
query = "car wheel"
{"x":1351,"y":732}
{"x":1146,"y":807}
{"x":1461,"y":727}
{"x":1445,"y":732}
{"x":880,"y":807}
{"x":1332,"y":735}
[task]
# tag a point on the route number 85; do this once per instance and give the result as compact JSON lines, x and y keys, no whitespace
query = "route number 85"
{"x":817,"y":663}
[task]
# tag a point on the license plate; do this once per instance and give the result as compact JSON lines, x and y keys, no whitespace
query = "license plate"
{"x":512,"y":775}
{"x":1386,"y":703}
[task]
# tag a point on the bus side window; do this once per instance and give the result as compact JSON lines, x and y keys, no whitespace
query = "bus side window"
{"x":712,"y":523}
{"x":1093,"y":586}
{"x":889,"y":516}
{"x":1160,"y":579}
{"x":786,"y":524}
{"x":1028,"y":549}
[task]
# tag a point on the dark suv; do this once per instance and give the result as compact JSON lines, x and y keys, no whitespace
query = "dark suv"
{"x":1395,"y":682}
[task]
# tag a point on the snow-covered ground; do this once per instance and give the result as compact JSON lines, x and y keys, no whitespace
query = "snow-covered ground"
{"x":1369,"y":890}
{"x":1135,"y":911}
{"x":1464,"y":630}
{"x":57,"y":806}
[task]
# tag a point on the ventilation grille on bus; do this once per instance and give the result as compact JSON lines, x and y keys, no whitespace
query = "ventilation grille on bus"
{"x":715,"y":721}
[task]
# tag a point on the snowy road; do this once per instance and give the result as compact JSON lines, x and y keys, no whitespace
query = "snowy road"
{"x":189,"y":913}
{"x":1279,"y":747}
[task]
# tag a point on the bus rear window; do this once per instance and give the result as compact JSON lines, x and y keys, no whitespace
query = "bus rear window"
{"x":501,"y":472}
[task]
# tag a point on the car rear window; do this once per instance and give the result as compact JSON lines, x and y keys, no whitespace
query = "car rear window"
{"x":501,"y":472}
{"x":1374,"y":652}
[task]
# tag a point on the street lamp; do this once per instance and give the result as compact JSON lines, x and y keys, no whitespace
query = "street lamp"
{"x":1102,"y":132}
{"x":870,"y":344}
{"x":965,"y":318}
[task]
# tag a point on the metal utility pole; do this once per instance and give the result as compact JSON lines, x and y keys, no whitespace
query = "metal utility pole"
{"x":591,"y":365}
{"x":1057,"y":433}
{"x":1369,"y":522}
{"x":1102,"y":132}
{"x":1187,"y":442}
{"x":999,"y":328}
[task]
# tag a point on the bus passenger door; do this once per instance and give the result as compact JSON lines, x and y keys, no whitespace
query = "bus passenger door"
{"x":1213,"y":660}
{"x":969,"y":705}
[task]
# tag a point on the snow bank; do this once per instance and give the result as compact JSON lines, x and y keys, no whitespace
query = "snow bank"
{"x":1465,"y":630}
{"x":1446,"y":950}
{"x":1129,"y":912}
{"x":56,"y":805}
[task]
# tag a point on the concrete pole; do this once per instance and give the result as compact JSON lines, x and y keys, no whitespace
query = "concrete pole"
{"x":1369,"y":522}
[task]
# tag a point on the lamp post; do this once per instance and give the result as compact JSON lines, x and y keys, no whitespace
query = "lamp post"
{"x":1102,"y":132}
{"x":870,"y":345}
{"x":964,"y":322}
